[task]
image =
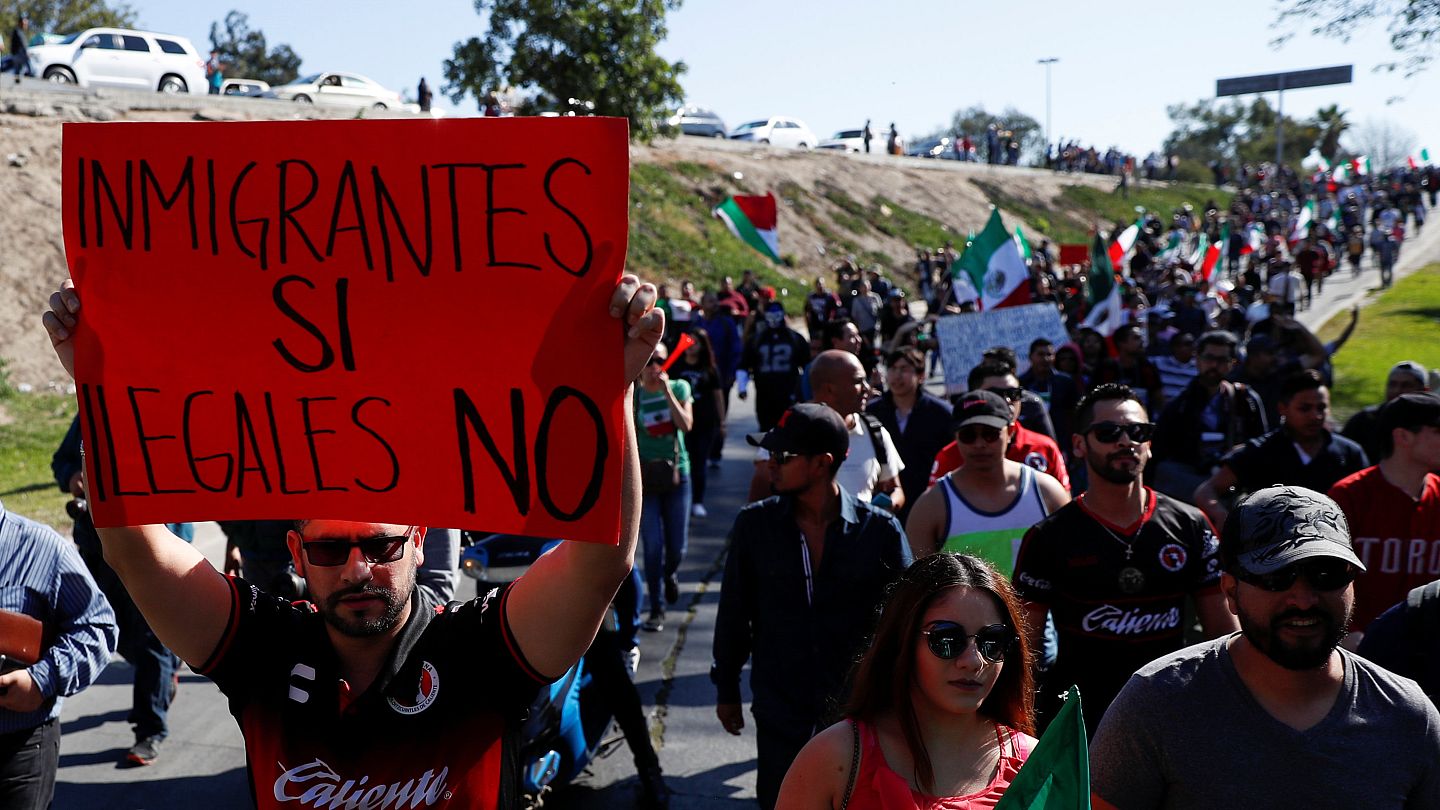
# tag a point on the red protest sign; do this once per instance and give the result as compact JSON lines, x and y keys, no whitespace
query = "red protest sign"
{"x":393,"y":321}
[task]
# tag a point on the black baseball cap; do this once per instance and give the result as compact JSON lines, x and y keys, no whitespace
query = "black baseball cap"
{"x":1410,"y":411}
{"x":809,"y":428}
{"x":980,"y":407}
{"x":1279,"y":526}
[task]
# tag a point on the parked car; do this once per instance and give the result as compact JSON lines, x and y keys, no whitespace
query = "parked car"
{"x":777,"y":130}
{"x":693,"y":120}
{"x":850,"y":140}
{"x":250,"y":88}
{"x":943,"y":148}
{"x":340,"y":90}
{"x":118,"y":57}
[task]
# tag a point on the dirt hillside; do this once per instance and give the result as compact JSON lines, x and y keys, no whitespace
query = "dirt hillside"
{"x":816,"y":188}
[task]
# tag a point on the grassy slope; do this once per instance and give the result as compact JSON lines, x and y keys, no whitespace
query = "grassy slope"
{"x":1402,"y":324}
{"x":1081,"y":207}
{"x":31,"y":427}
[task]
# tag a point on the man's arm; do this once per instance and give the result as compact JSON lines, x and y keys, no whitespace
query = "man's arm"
{"x":731,"y":644}
{"x":1052,"y":493}
{"x":84,"y":635}
{"x":554,"y":632}
{"x":159,"y":570}
{"x":889,"y":482}
{"x":1208,"y":494}
{"x":925,"y":527}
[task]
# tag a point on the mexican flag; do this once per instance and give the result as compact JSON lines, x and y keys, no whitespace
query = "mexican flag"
{"x":1104,"y":295}
{"x":1167,"y":254}
{"x":1211,"y":261}
{"x":994,"y":266}
{"x":1120,"y":248}
{"x":1056,"y":776}
{"x":1423,"y":159}
{"x":1361,"y":165}
{"x":1022,"y":243}
{"x":1302,"y":222}
{"x":753,"y":220}
{"x":1254,"y":239}
{"x":1199,"y":255}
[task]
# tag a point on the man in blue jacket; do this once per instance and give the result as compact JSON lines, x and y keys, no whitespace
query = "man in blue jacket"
{"x":806,"y":572}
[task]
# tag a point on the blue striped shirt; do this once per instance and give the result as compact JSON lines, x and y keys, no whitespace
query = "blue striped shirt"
{"x":41,"y":575}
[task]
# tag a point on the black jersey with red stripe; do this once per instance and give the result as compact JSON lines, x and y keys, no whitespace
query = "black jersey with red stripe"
{"x":1115,"y":613}
{"x":435,"y":729}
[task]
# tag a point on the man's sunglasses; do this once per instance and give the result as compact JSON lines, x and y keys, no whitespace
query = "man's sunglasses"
{"x":1011,"y":394}
{"x":1110,"y":432}
{"x":973,"y":433}
{"x":375,"y":550}
{"x":782,"y":458}
{"x":948,"y":640}
{"x":1323,"y":574}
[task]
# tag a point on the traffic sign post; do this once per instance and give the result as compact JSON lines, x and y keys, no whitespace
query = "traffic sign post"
{"x":1279,"y":83}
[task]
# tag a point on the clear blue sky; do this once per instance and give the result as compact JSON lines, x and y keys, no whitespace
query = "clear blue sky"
{"x":836,"y":63}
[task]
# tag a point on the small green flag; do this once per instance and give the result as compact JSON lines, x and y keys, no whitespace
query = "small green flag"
{"x":1057,"y":774}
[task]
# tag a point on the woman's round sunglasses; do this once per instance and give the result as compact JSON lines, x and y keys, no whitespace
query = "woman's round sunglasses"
{"x":947,"y":640}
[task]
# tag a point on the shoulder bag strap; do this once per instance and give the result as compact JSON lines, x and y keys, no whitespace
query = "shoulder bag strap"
{"x":854,"y":763}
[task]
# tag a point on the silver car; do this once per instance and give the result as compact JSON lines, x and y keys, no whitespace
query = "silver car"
{"x":340,"y":90}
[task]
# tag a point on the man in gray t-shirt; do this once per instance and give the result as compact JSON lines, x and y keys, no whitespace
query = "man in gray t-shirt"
{"x":1278,"y":715}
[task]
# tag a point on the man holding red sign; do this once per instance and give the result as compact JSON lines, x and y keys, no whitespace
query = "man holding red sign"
{"x":278,"y":321}
{"x":362,"y":697}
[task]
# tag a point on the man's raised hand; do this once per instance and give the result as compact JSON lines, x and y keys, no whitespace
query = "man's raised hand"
{"x":634,"y":301}
{"x":60,"y":322}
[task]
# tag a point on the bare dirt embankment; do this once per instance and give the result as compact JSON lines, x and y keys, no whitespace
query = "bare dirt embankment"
{"x":32,"y":257}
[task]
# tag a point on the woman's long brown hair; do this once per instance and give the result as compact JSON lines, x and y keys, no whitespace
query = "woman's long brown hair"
{"x":885,"y":677}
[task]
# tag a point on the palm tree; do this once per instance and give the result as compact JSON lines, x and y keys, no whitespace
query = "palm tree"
{"x":1332,"y":124}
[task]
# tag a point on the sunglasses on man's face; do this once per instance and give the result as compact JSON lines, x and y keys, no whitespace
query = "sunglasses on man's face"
{"x":782,"y":458}
{"x":1011,"y":394}
{"x":948,"y":641}
{"x":375,"y":550}
{"x":973,"y":433}
{"x":1323,"y":574}
{"x":1110,"y":432}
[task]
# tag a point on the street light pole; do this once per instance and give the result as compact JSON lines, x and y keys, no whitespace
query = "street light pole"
{"x":1047,"y":62}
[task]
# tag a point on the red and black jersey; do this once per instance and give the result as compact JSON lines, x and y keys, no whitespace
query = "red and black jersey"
{"x":433,"y":730}
{"x":1396,"y":536}
{"x":1117,"y":593}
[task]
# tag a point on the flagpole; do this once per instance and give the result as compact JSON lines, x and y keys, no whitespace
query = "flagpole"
{"x":1047,"y":62}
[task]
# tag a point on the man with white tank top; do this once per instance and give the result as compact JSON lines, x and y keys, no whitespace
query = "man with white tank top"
{"x":985,"y":507}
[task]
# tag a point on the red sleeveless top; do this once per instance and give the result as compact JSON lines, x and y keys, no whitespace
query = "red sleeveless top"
{"x":879,"y":788}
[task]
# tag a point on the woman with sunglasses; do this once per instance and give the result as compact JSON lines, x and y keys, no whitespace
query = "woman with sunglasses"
{"x":663,"y":415}
{"x":940,"y":711}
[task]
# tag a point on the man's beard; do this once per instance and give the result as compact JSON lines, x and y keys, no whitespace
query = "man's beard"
{"x":1112,"y":473}
{"x":1266,"y":637}
{"x":364,"y":626}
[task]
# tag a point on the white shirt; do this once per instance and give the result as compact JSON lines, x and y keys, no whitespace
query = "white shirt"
{"x":861,"y":470}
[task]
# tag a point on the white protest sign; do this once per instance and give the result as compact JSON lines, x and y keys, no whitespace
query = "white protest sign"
{"x":964,"y":338}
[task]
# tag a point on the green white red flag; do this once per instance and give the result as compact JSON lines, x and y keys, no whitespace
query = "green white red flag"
{"x":1022,"y":243}
{"x":994,"y":266}
{"x":1211,"y":261}
{"x":753,"y":219}
{"x":1121,"y":247}
{"x":1302,"y":222}
{"x":1104,"y":293}
{"x":1056,"y":775}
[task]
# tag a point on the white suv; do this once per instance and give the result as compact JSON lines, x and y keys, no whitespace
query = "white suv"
{"x":116,"y":57}
{"x":776,"y":130}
